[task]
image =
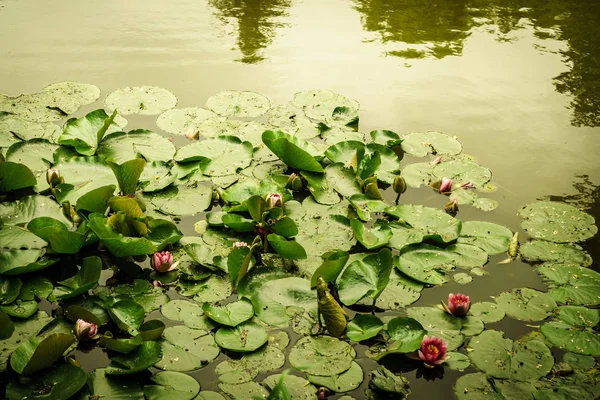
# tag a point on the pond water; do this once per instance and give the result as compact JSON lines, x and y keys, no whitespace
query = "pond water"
{"x":516,"y":81}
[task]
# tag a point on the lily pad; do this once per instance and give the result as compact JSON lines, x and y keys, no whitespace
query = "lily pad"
{"x":183,"y":200}
{"x":185,"y":349}
{"x":59,"y":384}
{"x":233,"y":103}
{"x":462,"y":278}
{"x":36,"y":154}
{"x":492,"y":238}
{"x":430,"y":222}
{"x":571,"y":284}
{"x":475,"y":387}
{"x":244,"y":391}
{"x":217,"y":155}
{"x":180,"y":120}
{"x":463,"y":170}
{"x":425,"y":263}
{"x":86,"y":133}
{"x":191,"y":314}
{"x":123,"y":146}
{"x":143,"y":357}
{"x":574,"y":331}
{"x":557,"y":222}
{"x":101,"y":385}
{"x":232,"y":314}
{"x":170,"y":384}
{"x":374,"y":238}
{"x":363,"y":327}
{"x":322,"y":355}
{"x":487,"y":311}
{"x":526,"y":304}
{"x":275,"y":296}
{"x":296,"y":153}
{"x":38,"y":353}
{"x":344,"y":382}
{"x":542,"y":250}
{"x":508,"y":359}
{"x":145,"y":100}
{"x":298,"y":388}
{"x":365,"y":277}
{"x":86,"y":278}
{"x":440,"y":324}
{"x":82,"y":175}
{"x":420,"y":144}
{"x":15,"y":176}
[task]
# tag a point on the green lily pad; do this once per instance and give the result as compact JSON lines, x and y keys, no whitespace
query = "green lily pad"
{"x":365,"y":277}
{"x":15,"y":237}
{"x":191,"y":314}
{"x":526,"y":304}
{"x":407,"y":334}
{"x":82,"y":175}
{"x":183,"y":200}
{"x":20,"y":309}
{"x":579,"y":361}
{"x":143,"y":357}
{"x":101,"y":385}
{"x":571,"y":284}
{"x":417,"y":174}
{"x":462,"y":278}
{"x":457,"y":361}
{"x":145,"y":100}
{"x":492,"y":238}
{"x":170,"y":384}
{"x":85,"y":133}
{"x":34,"y":287}
{"x":217,"y":155}
{"x":383,"y":383}
{"x":123,"y":146}
{"x":244,"y":391}
{"x":463,"y":170}
{"x":86,"y":278}
{"x":122,"y":346}
{"x":319,"y":186}
{"x":210,"y":395}
{"x":232,"y":314}
{"x":541,"y":250}
{"x":14,"y":128}
{"x":467,"y":256}
{"x":24,"y":330}
{"x":273,"y":297}
{"x":475,"y":387}
{"x":38,"y":353}
{"x":179,"y":121}
{"x":298,"y":388}
{"x":508,"y":359}
{"x":215,"y":288}
{"x":322,"y":355}
{"x":485,"y":204}
{"x":233,"y":103}
{"x":443,"y":325}
{"x":156,"y":176}
{"x":185,"y":349}
{"x":425,"y":263}
{"x":574,"y":331}
{"x":344,"y":382}
{"x":36,"y":154}
{"x":81,"y":93}
{"x":430,"y":222}
{"x":127,"y":314}
{"x":363,"y":327}
{"x":419,"y":144}
{"x":557,"y":222}
{"x":15,"y":176}
{"x":60,"y":383}
{"x":487,"y":311}
{"x":293,"y":120}
{"x":29,"y":207}
{"x":371,"y":238}
{"x":245,"y":337}
{"x":296,"y":153}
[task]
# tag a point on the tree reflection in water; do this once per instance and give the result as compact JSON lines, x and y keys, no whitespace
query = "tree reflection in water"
{"x":257,"y":21}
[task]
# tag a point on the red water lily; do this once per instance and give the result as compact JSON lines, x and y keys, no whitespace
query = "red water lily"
{"x":458,"y":304}
{"x":433,"y":351}
{"x":162,"y":261}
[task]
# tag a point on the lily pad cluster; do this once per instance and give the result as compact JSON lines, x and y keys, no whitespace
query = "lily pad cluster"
{"x":293,"y":229}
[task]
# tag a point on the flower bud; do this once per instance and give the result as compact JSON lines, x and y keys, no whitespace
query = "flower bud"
{"x":240,"y":244}
{"x":446,"y":185}
{"x":274,"y":200}
{"x":85,"y":330}
{"x":52,"y":175}
{"x":294,"y":182}
{"x":399,"y":185}
{"x":451,"y":207}
{"x":162,"y":261}
{"x":192,"y":133}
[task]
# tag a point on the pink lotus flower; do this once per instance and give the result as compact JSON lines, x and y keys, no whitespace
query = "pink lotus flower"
{"x":162,"y":261}
{"x":458,"y":304}
{"x":446,"y":185}
{"x":85,"y":330}
{"x":433,"y":351}
{"x":274,"y":200}
{"x":192,"y":133}
{"x":436,"y":160}
{"x":240,"y":244}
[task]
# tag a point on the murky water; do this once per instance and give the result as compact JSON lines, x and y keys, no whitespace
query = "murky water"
{"x":517,"y":81}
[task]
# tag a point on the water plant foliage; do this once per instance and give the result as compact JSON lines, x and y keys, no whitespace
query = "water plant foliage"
{"x":171,"y":258}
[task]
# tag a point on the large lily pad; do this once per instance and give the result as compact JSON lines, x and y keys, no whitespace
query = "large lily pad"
{"x":366,"y":277}
{"x":245,"y":337}
{"x":508,"y":359}
{"x":344,"y":382}
{"x":363,"y":327}
{"x":487,"y":311}
{"x":425,"y":263}
{"x":298,"y":388}
{"x":185,"y":349}
{"x":574,"y":331}
{"x":86,"y":278}
{"x":58,"y":384}
{"x":526,"y":304}
{"x":231,"y":314}
{"x":180,"y":120}
{"x":145,"y":100}
{"x":557,"y":222}
{"x":542,"y":250}
{"x":419,"y":144}
{"x":244,"y":391}
{"x":123,"y":146}
{"x":571,"y":284}
{"x":492,"y":238}
{"x":101,"y":385}
{"x":84,"y":174}
{"x":296,"y":153}
{"x":15,"y":176}
{"x":475,"y":387}
{"x":217,"y":155}
{"x":463,"y":170}
{"x":233,"y":103}
{"x":38,"y":353}
{"x":191,"y":314}
{"x":170,"y":384}
{"x":85,"y":133}
{"x":275,"y":296}
{"x":322,"y":355}
{"x":24,"y":330}
{"x":36,"y":154}
{"x":430,"y":222}
{"x":141,"y":358}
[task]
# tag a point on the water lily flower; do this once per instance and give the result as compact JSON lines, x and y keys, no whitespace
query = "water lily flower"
{"x":433,"y":351}
{"x":436,"y":160}
{"x":294,"y":182}
{"x":274,"y":200}
{"x":192,"y":133}
{"x":162,"y":261}
{"x":52,"y":175}
{"x":399,"y":184}
{"x":458,"y":304}
{"x":240,"y":244}
{"x":446,"y":185}
{"x":452,"y":206}
{"x":85,"y":330}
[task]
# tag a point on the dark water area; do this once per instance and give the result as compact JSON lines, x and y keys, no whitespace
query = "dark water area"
{"x":517,"y":81}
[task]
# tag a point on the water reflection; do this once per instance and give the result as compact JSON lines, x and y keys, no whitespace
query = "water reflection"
{"x":256,"y":22}
{"x":436,"y":29}
{"x":587,"y":199}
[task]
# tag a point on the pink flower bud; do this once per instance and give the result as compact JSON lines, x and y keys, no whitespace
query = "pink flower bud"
{"x":240,"y":244}
{"x":446,"y":185}
{"x":433,"y":351}
{"x":162,"y":261}
{"x":85,"y":330}
{"x":156,"y":283}
{"x":458,"y":304}
{"x":274,"y":200}
{"x":51,"y":175}
{"x":192,"y":133}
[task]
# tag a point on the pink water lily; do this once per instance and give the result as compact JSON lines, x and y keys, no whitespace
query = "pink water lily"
{"x":446,"y":185}
{"x":274,"y":200}
{"x":433,"y":351}
{"x":85,"y":330}
{"x":192,"y":133}
{"x":458,"y":304}
{"x":52,"y":175}
{"x":240,"y":244}
{"x":162,"y":261}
